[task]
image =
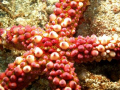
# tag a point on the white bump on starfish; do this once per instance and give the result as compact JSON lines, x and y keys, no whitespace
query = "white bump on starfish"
{"x":53,"y":34}
{"x":101,"y":48}
{"x":64,"y":24}
{"x":1,"y":88}
{"x":113,"y":41}
{"x":37,"y":39}
{"x":80,"y":4}
{"x":67,"y":88}
{"x":30,"y":58}
{"x":52,"y":17}
{"x":38,"y":52}
{"x":118,"y":44}
{"x":27,"y":69}
{"x":18,"y":60}
{"x":68,"y":20}
{"x":45,"y":34}
{"x":112,"y":54}
{"x":115,"y":37}
{"x":57,"y":27}
{"x":104,"y":39}
{"x":64,"y":45}
{"x":107,"y":51}
{"x":103,"y":54}
{"x":111,"y":45}
{"x":54,"y":56}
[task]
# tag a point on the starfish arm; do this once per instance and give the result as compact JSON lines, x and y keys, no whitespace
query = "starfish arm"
{"x":23,"y":70}
{"x":84,"y":49}
{"x":61,"y":75}
{"x":36,"y":62}
{"x":19,"y":37}
{"x":66,"y":16}
{"x":63,"y":21}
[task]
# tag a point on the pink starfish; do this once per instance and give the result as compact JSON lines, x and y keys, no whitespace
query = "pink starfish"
{"x":53,"y":52}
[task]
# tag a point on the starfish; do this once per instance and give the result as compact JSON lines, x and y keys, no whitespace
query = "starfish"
{"x":53,"y":52}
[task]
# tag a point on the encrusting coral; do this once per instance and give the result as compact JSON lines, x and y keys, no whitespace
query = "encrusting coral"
{"x":53,"y":52}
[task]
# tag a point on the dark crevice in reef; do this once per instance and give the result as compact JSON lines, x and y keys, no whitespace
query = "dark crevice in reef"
{"x":41,"y":83}
{"x":7,"y":50}
{"x":111,"y":70}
